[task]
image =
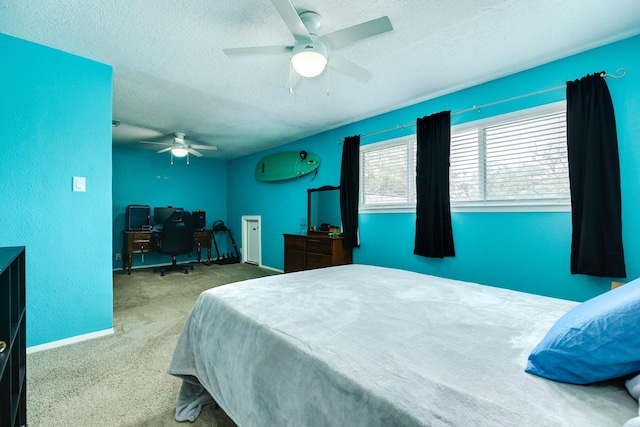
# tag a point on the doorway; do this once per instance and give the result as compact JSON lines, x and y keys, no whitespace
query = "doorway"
{"x":251,"y":240}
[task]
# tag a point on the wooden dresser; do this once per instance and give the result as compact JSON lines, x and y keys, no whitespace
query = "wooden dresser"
{"x":302,"y":252}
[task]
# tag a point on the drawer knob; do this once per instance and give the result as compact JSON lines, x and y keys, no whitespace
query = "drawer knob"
{"x":3,"y":345}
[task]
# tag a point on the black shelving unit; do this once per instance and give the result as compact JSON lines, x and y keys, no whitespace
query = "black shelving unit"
{"x":13,"y":338}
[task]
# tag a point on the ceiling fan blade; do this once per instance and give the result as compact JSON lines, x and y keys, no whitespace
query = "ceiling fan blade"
{"x":293,"y":80}
{"x":358,"y":32}
{"x":194,"y":152}
{"x":342,"y":64}
{"x":156,"y":143}
{"x":290,"y":17}
{"x":164,"y":150}
{"x":203,"y":147}
{"x":258,"y":50}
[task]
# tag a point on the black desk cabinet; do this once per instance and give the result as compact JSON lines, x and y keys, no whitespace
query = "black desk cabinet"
{"x":13,"y":339}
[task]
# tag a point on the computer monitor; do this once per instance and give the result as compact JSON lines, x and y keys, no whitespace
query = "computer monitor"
{"x":160,"y":215}
{"x":137,"y":217}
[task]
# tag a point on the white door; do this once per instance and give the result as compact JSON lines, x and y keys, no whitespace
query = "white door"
{"x":251,"y":239}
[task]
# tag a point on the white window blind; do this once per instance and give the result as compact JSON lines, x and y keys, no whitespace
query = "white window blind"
{"x":511,"y":161}
{"x":465,"y":176}
{"x":522,"y":161}
{"x":384,"y":181}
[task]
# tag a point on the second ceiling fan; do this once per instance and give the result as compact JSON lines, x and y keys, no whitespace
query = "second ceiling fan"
{"x":179,"y":147}
{"x":310,"y":53}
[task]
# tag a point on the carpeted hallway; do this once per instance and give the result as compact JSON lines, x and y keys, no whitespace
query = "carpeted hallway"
{"x":121,"y":379}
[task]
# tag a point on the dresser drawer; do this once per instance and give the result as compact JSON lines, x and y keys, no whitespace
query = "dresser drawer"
{"x":290,"y":268}
{"x":324,"y":246}
{"x":295,"y":242}
{"x":318,"y":260}
{"x":294,"y":257}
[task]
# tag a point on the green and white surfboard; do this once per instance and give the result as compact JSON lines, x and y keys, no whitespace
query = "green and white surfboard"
{"x":286,"y":165}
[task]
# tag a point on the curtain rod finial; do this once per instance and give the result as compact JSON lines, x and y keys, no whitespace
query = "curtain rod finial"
{"x":620,"y":72}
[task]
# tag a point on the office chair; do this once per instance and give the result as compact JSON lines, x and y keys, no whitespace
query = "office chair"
{"x":176,"y":239}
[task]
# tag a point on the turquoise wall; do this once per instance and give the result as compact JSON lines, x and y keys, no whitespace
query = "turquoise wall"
{"x":56,"y":124}
{"x":142,"y":177}
{"x":55,"y":112}
{"x":523,"y":251}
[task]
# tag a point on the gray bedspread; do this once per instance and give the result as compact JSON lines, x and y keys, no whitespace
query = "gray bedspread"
{"x":369,"y":346}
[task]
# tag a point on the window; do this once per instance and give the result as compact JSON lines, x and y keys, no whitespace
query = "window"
{"x":384,"y":179}
{"x":509,"y":162}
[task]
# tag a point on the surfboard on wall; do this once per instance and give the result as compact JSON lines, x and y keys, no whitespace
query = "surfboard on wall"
{"x":286,"y":165}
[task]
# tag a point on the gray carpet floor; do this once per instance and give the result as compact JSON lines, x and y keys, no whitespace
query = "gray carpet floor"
{"x":121,"y":379}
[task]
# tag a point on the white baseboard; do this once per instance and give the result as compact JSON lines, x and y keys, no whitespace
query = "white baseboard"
{"x":271,"y":268}
{"x":67,"y":341}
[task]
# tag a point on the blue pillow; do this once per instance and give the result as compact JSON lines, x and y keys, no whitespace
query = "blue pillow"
{"x":595,"y":341}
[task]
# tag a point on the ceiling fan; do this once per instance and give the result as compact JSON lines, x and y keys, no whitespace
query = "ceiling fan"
{"x":310,"y":53}
{"x":179,"y":147}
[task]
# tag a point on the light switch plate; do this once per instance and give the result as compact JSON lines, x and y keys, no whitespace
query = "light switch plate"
{"x":79,"y":183}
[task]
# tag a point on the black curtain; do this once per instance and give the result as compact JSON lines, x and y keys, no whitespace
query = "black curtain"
{"x":349,"y":186}
{"x":594,"y":176}
{"x":434,"y":236}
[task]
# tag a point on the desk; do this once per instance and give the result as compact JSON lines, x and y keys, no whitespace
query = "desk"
{"x":138,"y":242}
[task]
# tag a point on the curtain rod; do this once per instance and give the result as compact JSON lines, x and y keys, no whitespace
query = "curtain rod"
{"x":621,"y":72}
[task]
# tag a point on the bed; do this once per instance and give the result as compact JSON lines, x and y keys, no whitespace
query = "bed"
{"x":360,"y":345}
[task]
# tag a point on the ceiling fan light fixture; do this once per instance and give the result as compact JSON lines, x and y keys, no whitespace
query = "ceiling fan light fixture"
{"x":309,"y":59}
{"x":179,"y":151}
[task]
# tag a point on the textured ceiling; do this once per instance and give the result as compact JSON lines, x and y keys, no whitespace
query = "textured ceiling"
{"x":170,"y":74}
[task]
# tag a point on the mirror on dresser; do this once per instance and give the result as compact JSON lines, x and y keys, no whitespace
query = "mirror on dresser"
{"x":323,"y":210}
{"x":320,"y":247}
